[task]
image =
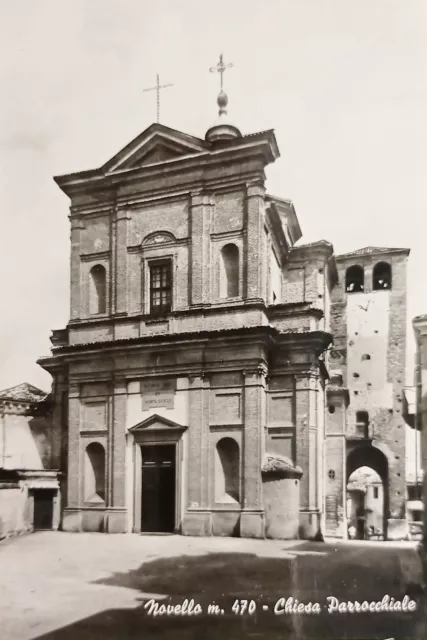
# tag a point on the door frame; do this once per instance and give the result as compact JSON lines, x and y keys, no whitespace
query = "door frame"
{"x":52,"y":494}
{"x":174,"y":459}
{"x":160,"y":437}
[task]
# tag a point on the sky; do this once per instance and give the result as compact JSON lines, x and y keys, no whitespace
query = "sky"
{"x":342,"y":82}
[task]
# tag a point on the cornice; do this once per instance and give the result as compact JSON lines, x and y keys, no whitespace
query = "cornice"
{"x":272,"y":312}
{"x":98,"y":255}
{"x":94,"y":180}
{"x":315,"y":340}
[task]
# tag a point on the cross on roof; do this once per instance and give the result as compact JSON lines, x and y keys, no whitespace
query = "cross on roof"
{"x":157,"y":89}
{"x":221,"y":67}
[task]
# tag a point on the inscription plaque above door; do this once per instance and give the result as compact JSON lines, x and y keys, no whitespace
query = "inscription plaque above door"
{"x":158,"y":392}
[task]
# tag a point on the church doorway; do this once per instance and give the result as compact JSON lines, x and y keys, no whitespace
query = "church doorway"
{"x":43,"y":509}
{"x":367,"y":494}
{"x":158,"y":485}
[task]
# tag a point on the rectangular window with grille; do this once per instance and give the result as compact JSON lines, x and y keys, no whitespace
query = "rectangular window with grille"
{"x":160,"y":287}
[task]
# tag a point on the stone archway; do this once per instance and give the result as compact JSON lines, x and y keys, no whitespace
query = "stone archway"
{"x":369,"y":456}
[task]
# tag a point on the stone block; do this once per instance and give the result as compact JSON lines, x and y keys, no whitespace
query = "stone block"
{"x":309,"y":525}
{"x":197,"y":524}
{"x":252,"y":524}
{"x":281,"y":503}
{"x":226,"y":523}
{"x":94,"y":520}
{"x":117,"y":522}
{"x":397,"y":529}
{"x":72,"y":520}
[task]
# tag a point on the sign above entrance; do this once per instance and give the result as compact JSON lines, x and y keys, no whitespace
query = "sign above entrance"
{"x":159,"y":392}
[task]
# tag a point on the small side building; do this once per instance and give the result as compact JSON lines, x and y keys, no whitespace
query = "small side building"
{"x":29,"y":462}
{"x":414,"y":467}
{"x":419,"y":324}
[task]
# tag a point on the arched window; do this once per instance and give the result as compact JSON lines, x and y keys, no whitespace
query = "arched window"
{"x":227,"y":471}
{"x":94,"y":488}
{"x":381,"y":277}
{"x":355,"y":279}
{"x":366,"y":356}
{"x":97,"y":289}
{"x":229,"y":271}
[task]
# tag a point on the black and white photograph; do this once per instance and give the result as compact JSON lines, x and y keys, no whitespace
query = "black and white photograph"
{"x":213,"y":329}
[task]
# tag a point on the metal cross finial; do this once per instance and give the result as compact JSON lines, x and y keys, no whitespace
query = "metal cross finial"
{"x":157,"y":89}
{"x":221,"y":67}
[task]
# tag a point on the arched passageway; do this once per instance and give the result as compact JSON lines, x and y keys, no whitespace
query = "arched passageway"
{"x":367,"y":499}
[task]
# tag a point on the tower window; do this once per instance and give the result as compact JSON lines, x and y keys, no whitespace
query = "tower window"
{"x":381,"y":277}
{"x":160,"y":287}
{"x":362,"y":423}
{"x":375,"y":493}
{"x":366,"y":356}
{"x":97,"y":289}
{"x":229,"y":274}
{"x":355,"y":279}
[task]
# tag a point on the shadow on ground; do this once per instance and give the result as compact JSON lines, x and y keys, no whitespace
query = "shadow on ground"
{"x":223,"y":578}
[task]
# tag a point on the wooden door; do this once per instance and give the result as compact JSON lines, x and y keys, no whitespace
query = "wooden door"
{"x":158,"y":488}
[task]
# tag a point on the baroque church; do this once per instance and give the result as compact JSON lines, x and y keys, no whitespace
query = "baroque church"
{"x":206,"y":381}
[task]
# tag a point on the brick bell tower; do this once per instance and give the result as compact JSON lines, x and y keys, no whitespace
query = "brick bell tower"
{"x":365,"y":425}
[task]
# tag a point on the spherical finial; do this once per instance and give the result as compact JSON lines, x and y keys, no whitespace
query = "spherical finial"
{"x":222,"y":102}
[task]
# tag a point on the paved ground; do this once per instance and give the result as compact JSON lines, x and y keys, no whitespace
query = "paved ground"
{"x":92,"y":586}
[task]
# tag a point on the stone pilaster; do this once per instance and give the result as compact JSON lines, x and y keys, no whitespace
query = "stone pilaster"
{"x":307,"y":452}
{"x":75,"y":276}
{"x":335,"y":507}
{"x":72,"y":520}
{"x":197,"y":518}
{"x":252,"y":516}
{"x":302,"y":436}
{"x":254,"y":240}
{"x":200,"y":223}
{"x":120,"y":262}
{"x":117,"y":504}
{"x":135,"y":282}
{"x":59,"y":420}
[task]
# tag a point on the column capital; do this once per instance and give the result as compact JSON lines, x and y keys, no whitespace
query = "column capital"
{"x":76,"y":224}
{"x":259,"y":371}
{"x":74,"y":390}
{"x":198,"y":378}
{"x":255,"y":188}
{"x":201,"y":198}
{"x":122,"y":214}
{"x":119,"y":386}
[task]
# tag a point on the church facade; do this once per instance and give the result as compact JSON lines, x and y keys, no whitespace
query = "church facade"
{"x":189,"y":382}
{"x":193,"y":390}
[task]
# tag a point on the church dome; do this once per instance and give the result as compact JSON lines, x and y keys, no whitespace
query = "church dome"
{"x":223,"y":129}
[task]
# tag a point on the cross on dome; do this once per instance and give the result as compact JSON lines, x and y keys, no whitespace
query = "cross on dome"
{"x":222,"y":130}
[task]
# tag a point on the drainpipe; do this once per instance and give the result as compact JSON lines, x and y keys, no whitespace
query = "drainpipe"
{"x":2,"y":438}
{"x":418,"y":400}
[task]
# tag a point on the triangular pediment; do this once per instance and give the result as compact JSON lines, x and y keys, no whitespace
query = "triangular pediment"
{"x":156,"y":144}
{"x":157,"y":423}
